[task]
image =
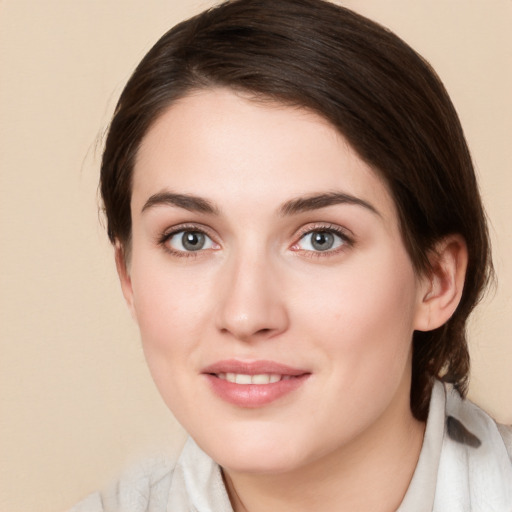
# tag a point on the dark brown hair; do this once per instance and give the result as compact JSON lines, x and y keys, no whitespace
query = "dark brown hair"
{"x":378,"y":92}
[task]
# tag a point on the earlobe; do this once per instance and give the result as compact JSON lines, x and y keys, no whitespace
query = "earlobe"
{"x":124,"y":277}
{"x":442,"y":289}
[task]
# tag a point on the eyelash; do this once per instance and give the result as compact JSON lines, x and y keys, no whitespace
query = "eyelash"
{"x":191,"y":228}
{"x":347,"y":241}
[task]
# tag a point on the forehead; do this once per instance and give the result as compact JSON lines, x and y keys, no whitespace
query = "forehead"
{"x":222,"y":145}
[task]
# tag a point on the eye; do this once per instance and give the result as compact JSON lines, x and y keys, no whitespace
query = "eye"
{"x":321,"y":240}
{"x":190,"y":241}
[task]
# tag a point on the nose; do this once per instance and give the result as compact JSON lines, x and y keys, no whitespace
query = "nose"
{"x":251,"y":303}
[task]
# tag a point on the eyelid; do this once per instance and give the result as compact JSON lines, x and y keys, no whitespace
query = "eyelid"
{"x":324,"y":226}
{"x":345,"y":234}
{"x":169,"y":233}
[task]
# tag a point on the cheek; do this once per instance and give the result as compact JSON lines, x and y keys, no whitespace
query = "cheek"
{"x":169,"y":306}
{"x":170,"y":310}
{"x":365,"y":312}
{"x":167,"y":297}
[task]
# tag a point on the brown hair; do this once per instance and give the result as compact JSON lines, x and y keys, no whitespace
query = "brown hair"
{"x":378,"y":92}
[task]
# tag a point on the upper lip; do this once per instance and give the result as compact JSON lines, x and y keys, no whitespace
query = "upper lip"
{"x":252,"y":368}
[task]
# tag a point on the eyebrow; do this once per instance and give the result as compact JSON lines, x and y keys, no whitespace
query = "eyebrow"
{"x":293,"y":206}
{"x":185,"y":201}
{"x":317,"y":201}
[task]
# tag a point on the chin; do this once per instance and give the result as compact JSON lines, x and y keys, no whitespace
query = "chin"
{"x":261,"y":462}
{"x":256,"y":450}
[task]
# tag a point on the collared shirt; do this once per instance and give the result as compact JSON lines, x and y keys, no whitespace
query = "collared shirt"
{"x":465,"y":465}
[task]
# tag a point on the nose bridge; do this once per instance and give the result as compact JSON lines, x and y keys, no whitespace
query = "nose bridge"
{"x":250,"y":302}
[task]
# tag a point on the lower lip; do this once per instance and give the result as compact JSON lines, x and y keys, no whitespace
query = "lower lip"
{"x":254,"y":395}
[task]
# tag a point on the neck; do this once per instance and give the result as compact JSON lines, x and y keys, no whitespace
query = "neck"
{"x":373,"y":472}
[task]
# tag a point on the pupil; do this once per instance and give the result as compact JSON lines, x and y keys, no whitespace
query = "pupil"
{"x":192,"y":240}
{"x":322,"y":240}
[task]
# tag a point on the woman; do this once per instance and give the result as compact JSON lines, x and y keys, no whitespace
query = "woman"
{"x":300,"y":238}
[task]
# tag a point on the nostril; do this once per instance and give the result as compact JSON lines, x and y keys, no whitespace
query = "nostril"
{"x":251,"y":313}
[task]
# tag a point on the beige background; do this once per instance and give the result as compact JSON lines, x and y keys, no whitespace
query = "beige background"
{"x":76,"y":402}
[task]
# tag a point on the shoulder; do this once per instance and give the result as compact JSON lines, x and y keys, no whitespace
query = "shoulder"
{"x":469,"y":425}
{"x":506,"y":434}
{"x":475,"y":467}
{"x":191,"y":482}
{"x":147,"y":483}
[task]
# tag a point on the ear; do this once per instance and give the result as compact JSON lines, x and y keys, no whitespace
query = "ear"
{"x":441,"y":289}
{"x":124,"y":277}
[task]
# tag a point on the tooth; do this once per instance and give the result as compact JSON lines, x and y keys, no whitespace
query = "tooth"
{"x":243,"y":379}
{"x":261,"y":379}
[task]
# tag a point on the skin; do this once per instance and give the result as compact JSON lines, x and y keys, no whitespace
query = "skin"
{"x":259,"y":290}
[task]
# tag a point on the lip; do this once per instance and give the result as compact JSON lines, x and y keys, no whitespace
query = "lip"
{"x":253,"y":395}
{"x":253,"y":368}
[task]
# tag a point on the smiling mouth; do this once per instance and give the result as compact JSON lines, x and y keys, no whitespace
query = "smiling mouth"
{"x":261,"y":379}
{"x":253,"y":384}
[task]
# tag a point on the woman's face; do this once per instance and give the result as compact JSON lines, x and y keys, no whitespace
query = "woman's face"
{"x":274,"y":295}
